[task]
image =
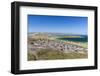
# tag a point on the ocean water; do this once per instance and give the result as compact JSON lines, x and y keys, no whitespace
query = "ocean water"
{"x":81,"y":39}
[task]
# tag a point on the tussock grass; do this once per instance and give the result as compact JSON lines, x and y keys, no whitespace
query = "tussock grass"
{"x":47,"y":54}
{"x":31,"y":56}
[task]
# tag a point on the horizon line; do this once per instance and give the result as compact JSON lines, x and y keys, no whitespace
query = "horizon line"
{"x":57,"y":32}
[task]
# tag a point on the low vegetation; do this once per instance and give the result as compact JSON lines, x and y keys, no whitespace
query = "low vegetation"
{"x":46,"y":54}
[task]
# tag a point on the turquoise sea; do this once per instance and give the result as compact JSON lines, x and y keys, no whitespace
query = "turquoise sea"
{"x":83,"y":38}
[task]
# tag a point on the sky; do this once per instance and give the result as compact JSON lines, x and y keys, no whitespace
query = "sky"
{"x":58,"y":24}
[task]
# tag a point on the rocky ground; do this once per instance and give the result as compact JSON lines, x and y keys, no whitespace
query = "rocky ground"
{"x":43,"y":47}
